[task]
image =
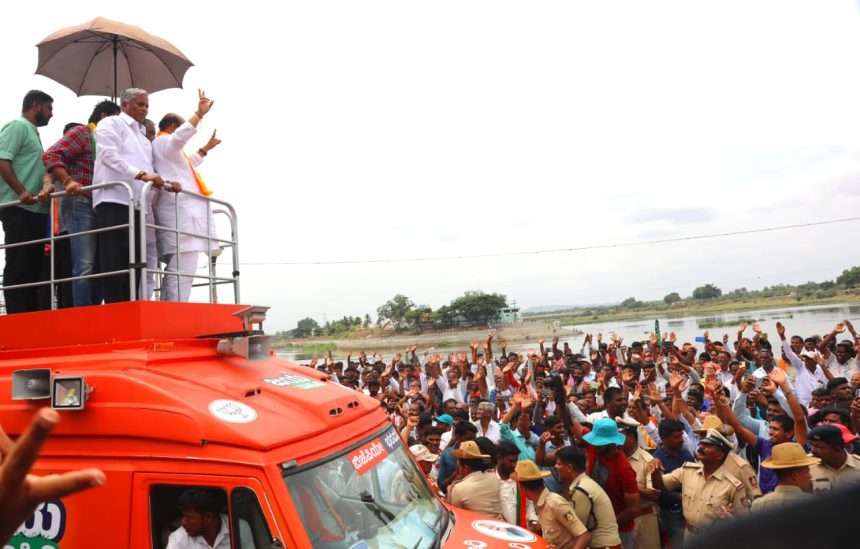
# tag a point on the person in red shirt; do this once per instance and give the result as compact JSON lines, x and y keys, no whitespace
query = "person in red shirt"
{"x":608,"y":466}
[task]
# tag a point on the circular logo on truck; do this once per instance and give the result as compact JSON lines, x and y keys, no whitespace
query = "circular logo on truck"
{"x":232,"y":411}
{"x":503,"y":531}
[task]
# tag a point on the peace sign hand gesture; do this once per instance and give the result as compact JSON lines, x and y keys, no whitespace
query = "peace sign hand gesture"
{"x":204,"y":104}
{"x":21,"y":491}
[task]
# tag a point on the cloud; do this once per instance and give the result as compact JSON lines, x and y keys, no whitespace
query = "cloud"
{"x":448,"y":238}
{"x":845,"y":184}
{"x":676,"y":216}
{"x":522,"y":223}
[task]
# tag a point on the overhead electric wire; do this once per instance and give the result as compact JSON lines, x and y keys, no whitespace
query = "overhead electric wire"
{"x":557,"y":250}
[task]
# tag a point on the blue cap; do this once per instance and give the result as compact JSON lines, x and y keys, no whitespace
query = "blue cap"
{"x":605,"y":432}
{"x":444,"y":418}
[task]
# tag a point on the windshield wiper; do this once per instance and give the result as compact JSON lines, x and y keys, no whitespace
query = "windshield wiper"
{"x":377,"y":509}
{"x":438,"y":543}
{"x":419,"y":543}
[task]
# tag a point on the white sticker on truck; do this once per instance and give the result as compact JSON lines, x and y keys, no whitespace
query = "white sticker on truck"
{"x":290,"y":380}
{"x":232,"y":411}
{"x":503,"y":531}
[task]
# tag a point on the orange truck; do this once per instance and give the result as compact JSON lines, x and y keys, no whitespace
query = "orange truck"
{"x":165,"y":397}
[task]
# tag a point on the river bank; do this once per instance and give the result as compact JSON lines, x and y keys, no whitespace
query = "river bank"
{"x":706,"y":308}
{"x":524,"y":335}
{"x":519,"y":334}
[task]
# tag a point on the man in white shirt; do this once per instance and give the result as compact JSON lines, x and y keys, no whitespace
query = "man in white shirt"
{"x":124,"y":154}
{"x":512,"y":499}
{"x":445,"y":422}
{"x":810,"y":375}
{"x":455,"y":387}
{"x":841,"y":363}
{"x":724,"y":359}
{"x":203,"y":525}
{"x":487,"y":427}
{"x":194,"y":216}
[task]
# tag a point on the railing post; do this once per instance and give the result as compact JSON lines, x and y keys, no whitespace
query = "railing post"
{"x":210,"y":265}
{"x":132,"y":255}
{"x":144,"y":254}
{"x":177,"y":255}
{"x":235,"y":238}
{"x":53,"y":203}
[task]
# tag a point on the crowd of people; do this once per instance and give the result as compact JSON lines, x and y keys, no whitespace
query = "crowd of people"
{"x":117,"y":144}
{"x":612,"y":445}
{"x":648,"y":445}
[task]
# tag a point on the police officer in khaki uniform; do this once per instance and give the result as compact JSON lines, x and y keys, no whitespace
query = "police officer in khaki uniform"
{"x":708,"y":490}
{"x":560,"y":526}
{"x":735,"y":464}
{"x":838,"y":468}
{"x":479,"y":489}
{"x":791,"y":465}
{"x":590,"y":503}
{"x":647,"y":528}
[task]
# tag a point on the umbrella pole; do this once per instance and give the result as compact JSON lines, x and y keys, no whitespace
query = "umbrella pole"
{"x":114,"y":40}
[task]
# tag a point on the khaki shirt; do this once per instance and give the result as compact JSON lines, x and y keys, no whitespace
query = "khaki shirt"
{"x":639,"y":461}
{"x":595,"y":511}
{"x":780,"y":497}
{"x":479,"y":492}
{"x":825,"y":478}
{"x":743,"y":471}
{"x":559,"y":524}
{"x":702,"y":498}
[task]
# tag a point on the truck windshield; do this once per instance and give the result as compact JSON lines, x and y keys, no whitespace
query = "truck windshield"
{"x":372,"y":495}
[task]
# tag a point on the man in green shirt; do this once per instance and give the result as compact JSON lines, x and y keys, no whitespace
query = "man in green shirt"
{"x":24,"y":180}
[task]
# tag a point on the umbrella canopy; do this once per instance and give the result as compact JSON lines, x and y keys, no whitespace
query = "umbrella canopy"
{"x":102,"y":57}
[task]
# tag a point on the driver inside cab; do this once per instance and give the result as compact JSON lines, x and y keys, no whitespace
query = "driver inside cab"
{"x":204,"y":526}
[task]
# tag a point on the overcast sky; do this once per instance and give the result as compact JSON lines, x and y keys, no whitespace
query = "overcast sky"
{"x":358,"y":130}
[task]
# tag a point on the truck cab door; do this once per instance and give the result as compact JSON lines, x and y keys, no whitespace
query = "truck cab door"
{"x":241,"y":499}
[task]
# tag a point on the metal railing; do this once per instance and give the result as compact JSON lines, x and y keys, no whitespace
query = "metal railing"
{"x":211,"y":279}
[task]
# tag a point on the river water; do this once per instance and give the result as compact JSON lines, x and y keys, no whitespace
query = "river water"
{"x":803,"y":321}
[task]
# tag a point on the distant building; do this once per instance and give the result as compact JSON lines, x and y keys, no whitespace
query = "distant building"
{"x":509,"y":315}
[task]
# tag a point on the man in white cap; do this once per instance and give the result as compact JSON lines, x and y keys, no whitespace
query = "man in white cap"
{"x":425,"y":459}
{"x":791,"y":465}
{"x":560,"y":526}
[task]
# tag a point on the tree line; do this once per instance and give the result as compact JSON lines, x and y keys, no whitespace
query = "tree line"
{"x":401,"y":313}
{"x":849,"y":279}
